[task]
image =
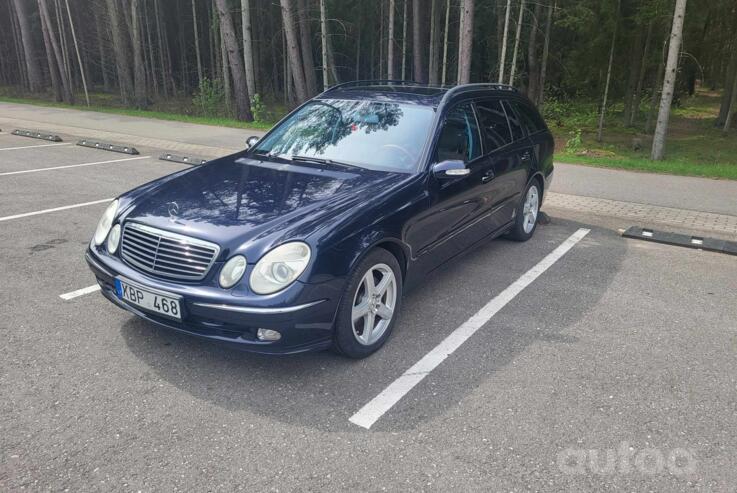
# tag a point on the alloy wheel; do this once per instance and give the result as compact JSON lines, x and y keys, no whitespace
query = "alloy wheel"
{"x":530,"y":209}
{"x":373,"y":304}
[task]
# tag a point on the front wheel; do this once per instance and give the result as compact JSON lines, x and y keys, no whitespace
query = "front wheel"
{"x":525,"y":220}
{"x":370,"y":305}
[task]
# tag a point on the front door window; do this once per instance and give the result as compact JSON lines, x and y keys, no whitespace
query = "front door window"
{"x":459,"y":139}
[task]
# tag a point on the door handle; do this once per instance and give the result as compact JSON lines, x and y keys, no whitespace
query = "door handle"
{"x":488,"y":176}
{"x":526,"y":157}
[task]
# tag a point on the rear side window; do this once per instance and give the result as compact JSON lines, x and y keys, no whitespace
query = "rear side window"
{"x":530,"y":117}
{"x":459,"y":139}
{"x":494,"y":126}
{"x":514,"y":122}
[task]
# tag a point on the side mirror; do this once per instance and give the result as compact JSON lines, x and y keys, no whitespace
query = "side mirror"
{"x":251,"y":141}
{"x":452,"y":168}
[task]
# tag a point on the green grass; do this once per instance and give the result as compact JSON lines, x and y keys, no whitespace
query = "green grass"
{"x":673,"y":167}
{"x":694,"y":146}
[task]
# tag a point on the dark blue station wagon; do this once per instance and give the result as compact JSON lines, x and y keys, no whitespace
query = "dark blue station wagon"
{"x":307,"y":239}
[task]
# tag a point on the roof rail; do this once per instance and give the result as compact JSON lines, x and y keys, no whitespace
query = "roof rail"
{"x":479,"y":85}
{"x":376,"y":82}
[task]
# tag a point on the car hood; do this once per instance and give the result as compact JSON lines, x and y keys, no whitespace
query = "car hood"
{"x":232,"y":201}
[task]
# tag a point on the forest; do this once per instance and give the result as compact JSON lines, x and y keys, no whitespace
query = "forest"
{"x":605,"y":72}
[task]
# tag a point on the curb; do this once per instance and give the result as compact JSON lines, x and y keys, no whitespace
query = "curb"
{"x":94,"y":144}
{"x":37,"y":134}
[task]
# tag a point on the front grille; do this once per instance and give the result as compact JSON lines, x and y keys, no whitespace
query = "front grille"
{"x":167,"y":254}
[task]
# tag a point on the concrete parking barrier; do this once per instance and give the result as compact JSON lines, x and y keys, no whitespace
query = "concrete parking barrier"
{"x":193,"y":160}
{"x":105,"y":146}
{"x":677,"y":239}
{"x":37,"y":134}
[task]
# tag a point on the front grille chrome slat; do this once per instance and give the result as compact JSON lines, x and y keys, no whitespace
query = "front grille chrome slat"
{"x":166,"y":254}
{"x":164,"y":248}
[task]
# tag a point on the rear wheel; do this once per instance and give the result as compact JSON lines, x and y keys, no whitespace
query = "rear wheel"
{"x":525,"y":220}
{"x":370,"y":306}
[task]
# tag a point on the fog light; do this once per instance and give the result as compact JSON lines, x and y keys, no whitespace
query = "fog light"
{"x":268,"y":335}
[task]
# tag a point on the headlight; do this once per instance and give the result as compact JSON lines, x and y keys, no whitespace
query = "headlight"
{"x":113,"y":239}
{"x":232,"y":271}
{"x":280,"y":267}
{"x":106,"y":222}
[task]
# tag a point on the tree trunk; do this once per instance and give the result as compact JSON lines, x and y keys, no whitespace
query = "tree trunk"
{"x":727,"y":94}
{"x":656,"y":90}
{"x":200,"y":76}
{"x":20,"y":59}
{"x":634,"y":72}
{"x":358,"y":52}
{"x":390,"y":45}
{"x":331,"y":61}
{"x":637,"y":98}
{"x":67,"y":92}
{"x":248,"y":47}
{"x":139,"y":76}
{"x":382,"y":62}
{"x":503,"y":58}
{"x":324,"y":46}
{"x":466,"y":42}
{"x":732,"y":109}
{"x":417,"y":58}
{"x":669,"y":83}
{"x":600,"y":131}
{"x":306,"y":45}
{"x":162,"y":67}
{"x":533,"y":68}
{"x":99,"y":26}
{"x":120,"y":50}
{"x":242,"y":99}
{"x":35,"y":77}
{"x":433,"y":75}
{"x":63,"y":42}
{"x":540,"y":99}
{"x":53,"y":68}
{"x":404,"y":41}
{"x":169,"y":70}
{"x":76,"y":49}
{"x":295,"y":60}
{"x":516,"y":42}
{"x":210,"y":45}
{"x":225,"y":72}
{"x":444,"y":75}
{"x":148,"y":54}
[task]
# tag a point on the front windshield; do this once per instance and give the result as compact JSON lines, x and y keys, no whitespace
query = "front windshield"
{"x":368,"y":134}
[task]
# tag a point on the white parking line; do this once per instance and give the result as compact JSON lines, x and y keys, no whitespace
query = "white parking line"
{"x":31,"y":147}
{"x":388,"y":397}
{"x":71,"y":166}
{"x":79,"y":292}
{"x":55,"y":209}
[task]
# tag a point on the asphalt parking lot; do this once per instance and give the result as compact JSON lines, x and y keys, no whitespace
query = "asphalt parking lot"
{"x":614,"y":368}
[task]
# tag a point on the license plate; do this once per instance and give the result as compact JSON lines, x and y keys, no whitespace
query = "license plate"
{"x":166,"y":305}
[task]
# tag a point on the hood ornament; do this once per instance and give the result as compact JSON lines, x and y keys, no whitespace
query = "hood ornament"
{"x":173,"y":209}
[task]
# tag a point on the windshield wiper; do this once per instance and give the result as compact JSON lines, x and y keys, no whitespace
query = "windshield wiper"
{"x":319,"y":160}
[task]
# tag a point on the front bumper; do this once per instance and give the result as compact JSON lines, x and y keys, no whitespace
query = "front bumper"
{"x":304,"y":316}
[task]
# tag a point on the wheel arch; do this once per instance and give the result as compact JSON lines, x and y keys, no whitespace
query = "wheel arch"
{"x":537,"y":176}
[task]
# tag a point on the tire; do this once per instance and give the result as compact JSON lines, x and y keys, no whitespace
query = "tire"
{"x":525,"y":219}
{"x":358,"y":307}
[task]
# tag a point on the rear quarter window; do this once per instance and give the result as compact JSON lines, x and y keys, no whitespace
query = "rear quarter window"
{"x":514,"y":122}
{"x":529,"y":117}
{"x":494,"y":125}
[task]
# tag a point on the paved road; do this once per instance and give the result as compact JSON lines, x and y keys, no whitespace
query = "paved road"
{"x":621,"y":349}
{"x":135,"y":130}
{"x":680,"y":192}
